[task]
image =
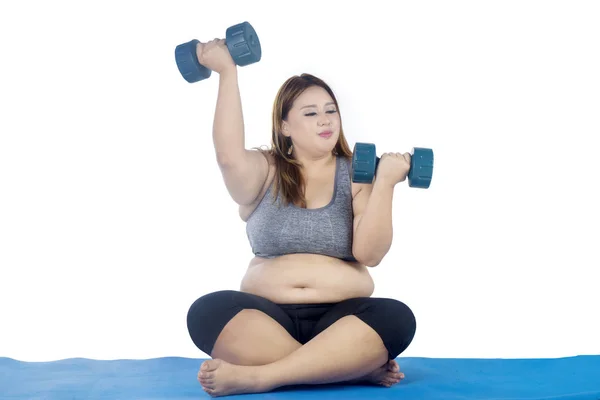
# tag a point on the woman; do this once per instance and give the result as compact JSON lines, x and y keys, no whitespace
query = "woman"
{"x":303,"y":314}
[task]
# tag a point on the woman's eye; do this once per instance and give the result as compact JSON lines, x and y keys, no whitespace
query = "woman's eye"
{"x":313,"y":113}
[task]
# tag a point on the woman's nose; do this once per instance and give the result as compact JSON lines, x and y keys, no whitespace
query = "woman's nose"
{"x":324,"y":121}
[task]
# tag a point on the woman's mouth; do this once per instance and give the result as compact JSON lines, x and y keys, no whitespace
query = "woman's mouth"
{"x":326,"y":134}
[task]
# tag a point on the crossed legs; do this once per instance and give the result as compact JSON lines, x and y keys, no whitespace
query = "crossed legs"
{"x":253,"y":338}
{"x":254,"y":353}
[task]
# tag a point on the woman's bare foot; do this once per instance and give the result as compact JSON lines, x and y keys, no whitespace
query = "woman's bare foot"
{"x":387,"y":375}
{"x":219,"y":378}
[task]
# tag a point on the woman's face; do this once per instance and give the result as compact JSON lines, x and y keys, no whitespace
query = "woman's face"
{"x":313,"y":123}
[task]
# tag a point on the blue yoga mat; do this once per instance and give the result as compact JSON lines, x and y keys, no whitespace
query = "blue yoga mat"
{"x":174,"y":378}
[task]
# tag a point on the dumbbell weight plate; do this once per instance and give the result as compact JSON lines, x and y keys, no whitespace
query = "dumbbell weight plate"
{"x":243,"y":44}
{"x":421,"y":169}
{"x":364,"y":162}
{"x":188,"y":64}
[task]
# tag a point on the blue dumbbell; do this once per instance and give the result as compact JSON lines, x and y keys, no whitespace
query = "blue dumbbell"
{"x":242,"y":43}
{"x":365,"y":163}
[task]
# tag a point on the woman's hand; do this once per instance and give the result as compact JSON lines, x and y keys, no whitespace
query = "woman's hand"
{"x":215,"y":56}
{"x":393,"y":168}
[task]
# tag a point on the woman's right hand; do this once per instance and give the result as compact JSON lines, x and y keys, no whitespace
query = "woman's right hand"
{"x":215,"y":55}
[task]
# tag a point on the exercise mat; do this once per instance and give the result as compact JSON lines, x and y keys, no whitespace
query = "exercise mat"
{"x":174,"y":378}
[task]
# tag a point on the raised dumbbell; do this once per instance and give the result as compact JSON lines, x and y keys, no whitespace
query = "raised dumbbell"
{"x":365,"y":162}
{"x":242,"y":43}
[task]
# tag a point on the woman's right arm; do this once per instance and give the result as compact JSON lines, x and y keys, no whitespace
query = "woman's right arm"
{"x":244,"y":171}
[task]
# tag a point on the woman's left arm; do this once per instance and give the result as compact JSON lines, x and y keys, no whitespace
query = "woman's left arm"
{"x":373,"y":230}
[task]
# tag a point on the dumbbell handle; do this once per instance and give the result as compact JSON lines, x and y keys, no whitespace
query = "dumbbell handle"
{"x":377,"y":159}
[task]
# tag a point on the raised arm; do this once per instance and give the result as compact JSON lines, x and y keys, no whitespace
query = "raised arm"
{"x":244,"y":171}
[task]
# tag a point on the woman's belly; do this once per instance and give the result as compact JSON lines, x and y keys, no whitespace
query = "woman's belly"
{"x":306,"y":278}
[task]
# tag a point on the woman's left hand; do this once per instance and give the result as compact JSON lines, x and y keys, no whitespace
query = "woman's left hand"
{"x":393,"y":168}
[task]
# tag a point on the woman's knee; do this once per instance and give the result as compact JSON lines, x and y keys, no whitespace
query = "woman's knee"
{"x":393,"y":320}
{"x":401,"y":315}
{"x":208,"y":303}
{"x":208,"y":315}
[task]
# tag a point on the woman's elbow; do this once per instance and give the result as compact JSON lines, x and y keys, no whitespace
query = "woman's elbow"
{"x":373,"y":263}
{"x":366,"y":260}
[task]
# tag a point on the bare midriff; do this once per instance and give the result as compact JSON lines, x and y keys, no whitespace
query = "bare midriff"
{"x":306,"y":279}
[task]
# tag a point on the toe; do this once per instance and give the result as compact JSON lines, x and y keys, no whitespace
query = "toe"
{"x":206,"y":375}
{"x":207,"y":382}
{"x":210,"y":365}
{"x":397,"y":377}
{"x":390,"y":380}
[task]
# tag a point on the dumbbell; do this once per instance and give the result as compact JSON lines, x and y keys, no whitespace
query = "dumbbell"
{"x":242,"y":43}
{"x":365,"y":162}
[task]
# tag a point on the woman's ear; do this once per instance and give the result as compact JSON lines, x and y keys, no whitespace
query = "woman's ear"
{"x":285,"y":129}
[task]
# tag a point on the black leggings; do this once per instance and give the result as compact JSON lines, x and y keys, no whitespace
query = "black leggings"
{"x":391,"y":319}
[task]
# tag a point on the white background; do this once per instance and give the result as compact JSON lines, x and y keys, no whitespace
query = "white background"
{"x":114,"y":217}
